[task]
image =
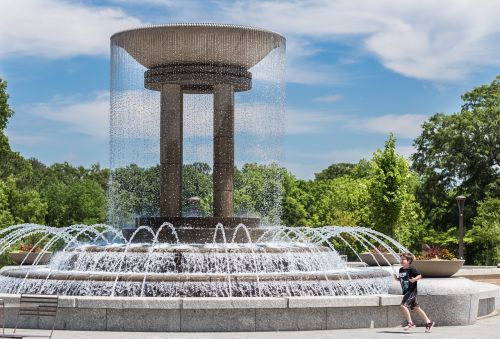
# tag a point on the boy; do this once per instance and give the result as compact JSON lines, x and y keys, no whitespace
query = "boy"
{"x":408,"y":277}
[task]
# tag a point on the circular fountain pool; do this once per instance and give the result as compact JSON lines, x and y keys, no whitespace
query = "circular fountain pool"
{"x":294,"y":263}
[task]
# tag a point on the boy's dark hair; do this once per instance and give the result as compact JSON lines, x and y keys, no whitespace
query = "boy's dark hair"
{"x":410,"y":257}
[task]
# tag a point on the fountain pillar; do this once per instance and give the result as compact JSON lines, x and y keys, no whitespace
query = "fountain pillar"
{"x":223,"y":150}
{"x":197,"y":59}
{"x":171,"y":150}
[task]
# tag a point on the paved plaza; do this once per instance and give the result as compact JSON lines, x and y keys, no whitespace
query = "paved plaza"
{"x":487,"y":327}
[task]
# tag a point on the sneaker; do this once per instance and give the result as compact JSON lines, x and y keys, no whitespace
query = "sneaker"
{"x":409,"y":326}
{"x":429,"y":326}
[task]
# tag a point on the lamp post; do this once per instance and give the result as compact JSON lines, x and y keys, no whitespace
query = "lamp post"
{"x":461,"y":203}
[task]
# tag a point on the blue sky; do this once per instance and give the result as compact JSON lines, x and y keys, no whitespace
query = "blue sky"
{"x":356,"y":70}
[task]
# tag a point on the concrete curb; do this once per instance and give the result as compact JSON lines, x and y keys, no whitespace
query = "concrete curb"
{"x":449,"y":301}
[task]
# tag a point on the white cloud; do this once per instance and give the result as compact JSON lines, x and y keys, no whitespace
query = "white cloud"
{"x":89,"y":117}
{"x":437,"y":40}
{"x":25,"y":139}
{"x":434,"y":40}
{"x":329,"y":98}
{"x":57,"y":29}
{"x":307,"y":122}
{"x":405,"y":125}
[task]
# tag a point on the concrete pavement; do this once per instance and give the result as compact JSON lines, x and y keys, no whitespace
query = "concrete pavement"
{"x":487,"y":327}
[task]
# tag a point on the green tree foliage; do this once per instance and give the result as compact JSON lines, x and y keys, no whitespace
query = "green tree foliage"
{"x":77,"y":202}
{"x":293,"y":202}
{"x":86,"y":201}
{"x":485,"y":233}
{"x":12,"y":163}
{"x":334,"y":171}
{"x":197,"y":182}
{"x":460,"y":154}
{"x":20,"y":205}
{"x":58,"y":185}
{"x":341,"y":201}
{"x":6,"y":218}
{"x":135,"y":192}
{"x":258,"y":191}
{"x":5,"y":111}
{"x":411,"y":225}
{"x":387,"y":189}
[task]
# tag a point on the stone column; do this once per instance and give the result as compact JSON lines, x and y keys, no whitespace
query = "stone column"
{"x":223,"y":150}
{"x":171,"y":151}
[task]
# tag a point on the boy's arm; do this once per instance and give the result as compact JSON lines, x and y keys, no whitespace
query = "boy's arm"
{"x":415,"y":278}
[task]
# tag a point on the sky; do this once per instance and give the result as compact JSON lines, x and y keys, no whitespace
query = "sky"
{"x":356,"y":70}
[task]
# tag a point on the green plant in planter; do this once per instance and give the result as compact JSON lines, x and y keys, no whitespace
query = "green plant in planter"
{"x":32,"y":243}
{"x":379,"y":249}
{"x":430,"y":252}
{"x":25,"y":247}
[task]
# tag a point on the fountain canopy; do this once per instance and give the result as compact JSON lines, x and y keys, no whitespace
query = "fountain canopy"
{"x":230,"y":45}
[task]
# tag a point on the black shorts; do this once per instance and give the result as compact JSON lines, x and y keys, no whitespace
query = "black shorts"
{"x":410,"y":299}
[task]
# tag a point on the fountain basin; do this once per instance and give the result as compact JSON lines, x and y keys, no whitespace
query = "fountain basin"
{"x":452,"y":301}
{"x":46,"y":274}
{"x":45,"y":280}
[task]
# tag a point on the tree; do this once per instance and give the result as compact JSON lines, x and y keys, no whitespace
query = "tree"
{"x":335,"y":171}
{"x":258,"y":191}
{"x":485,"y":233}
{"x":460,"y":154}
{"x":197,"y":181}
{"x":86,"y":202}
{"x":20,"y":205}
{"x":12,"y":163}
{"x":342,"y":201}
{"x":135,"y":187}
{"x":6,"y":218}
{"x":387,"y":189}
{"x":294,"y":211}
{"x":5,"y":111}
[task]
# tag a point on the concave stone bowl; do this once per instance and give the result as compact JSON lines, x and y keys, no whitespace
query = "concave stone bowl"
{"x":438,"y":268}
{"x":193,"y":44}
{"x":379,"y":259}
{"x":29,"y":258}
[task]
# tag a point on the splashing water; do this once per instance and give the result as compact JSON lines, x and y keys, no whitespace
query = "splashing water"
{"x":284,"y":261}
{"x":249,"y":64}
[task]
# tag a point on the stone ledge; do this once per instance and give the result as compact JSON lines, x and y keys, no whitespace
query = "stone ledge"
{"x":233,"y":303}
{"x":468,"y":271}
{"x":10,"y":298}
{"x":157,"y":303}
{"x":341,"y":301}
{"x":390,"y":299}
{"x":128,"y":303}
{"x":67,"y":302}
{"x":486,"y":291}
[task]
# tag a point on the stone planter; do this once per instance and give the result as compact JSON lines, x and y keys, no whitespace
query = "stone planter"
{"x":436,"y":268}
{"x":376,"y":259}
{"x":30,"y":257}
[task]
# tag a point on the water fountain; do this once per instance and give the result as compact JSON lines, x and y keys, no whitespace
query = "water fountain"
{"x":180,"y":266}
